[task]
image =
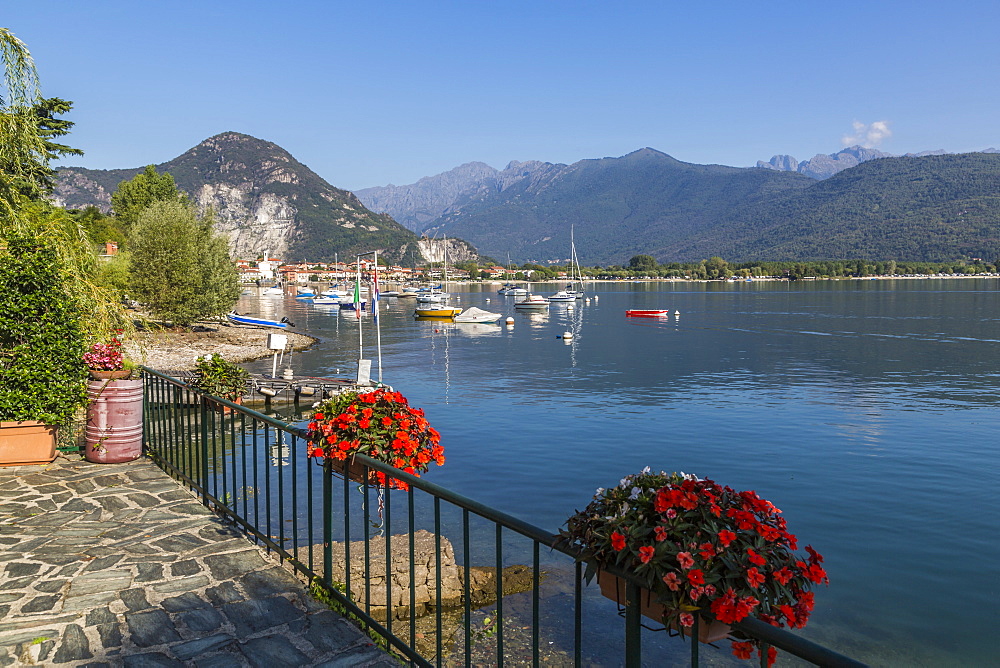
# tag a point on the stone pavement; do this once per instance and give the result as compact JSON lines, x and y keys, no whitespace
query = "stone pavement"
{"x":118,"y":565}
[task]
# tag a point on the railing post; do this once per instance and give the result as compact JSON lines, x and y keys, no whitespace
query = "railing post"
{"x":633,"y":630}
{"x":204,"y":452}
{"x":328,"y":523}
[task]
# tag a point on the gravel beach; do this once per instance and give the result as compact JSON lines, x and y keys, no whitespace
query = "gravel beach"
{"x":177,"y":351}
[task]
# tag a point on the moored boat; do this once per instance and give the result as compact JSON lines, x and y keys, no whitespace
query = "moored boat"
{"x":562,"y":296}
{"x":436,"y":311}
{"x":647,"y":313}
{"x":532,"y":302}
{"x":473,"y":314}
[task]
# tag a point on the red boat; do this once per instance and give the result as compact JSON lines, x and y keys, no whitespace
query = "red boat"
{"x":657,"y":313}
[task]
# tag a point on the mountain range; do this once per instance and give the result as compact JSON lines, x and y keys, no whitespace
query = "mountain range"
{"x":922,"y":208}
{"x":824,"y":166}
{"x":264,"y":199}
{"x":929,"y":208}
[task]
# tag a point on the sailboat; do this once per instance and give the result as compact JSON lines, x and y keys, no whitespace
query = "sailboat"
{"x":434,"y":295}
{"x":575,"y":287}
{"x":510,"y":288}
{"x":574,"y":290}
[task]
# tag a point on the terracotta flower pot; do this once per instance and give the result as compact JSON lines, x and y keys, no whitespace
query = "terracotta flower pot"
{"x":26,"y":443}
{"x":355,"y":471}
{"x":109,"y":374}
{"x":219,"y":408}
{"x":613,"y":587}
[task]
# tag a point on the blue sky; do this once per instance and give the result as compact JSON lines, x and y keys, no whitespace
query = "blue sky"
{"x":370,"y":93}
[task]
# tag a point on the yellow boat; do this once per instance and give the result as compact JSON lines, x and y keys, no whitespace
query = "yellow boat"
{"x":437,"y":311}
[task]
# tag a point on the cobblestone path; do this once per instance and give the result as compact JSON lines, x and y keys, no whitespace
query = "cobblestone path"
{"x":118,"y":565}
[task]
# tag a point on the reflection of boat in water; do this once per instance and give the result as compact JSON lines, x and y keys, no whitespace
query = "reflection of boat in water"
{"x":238,"y":319}
{"x":532,"y":302}
{"x":321,"y":301}
{"x":434,"y":318}
{"x":474,"y":314}
{"x":437,"y":311}
{"x":647,"y":313}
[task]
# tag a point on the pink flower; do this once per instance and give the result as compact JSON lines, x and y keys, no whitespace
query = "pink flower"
{"x":671,"y":513}
{"x":687,"y":619}
{"x":685,"y":560}
{"x":673,"y":582}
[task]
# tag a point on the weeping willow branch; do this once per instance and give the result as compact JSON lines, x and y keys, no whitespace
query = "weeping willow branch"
{"x":22,"y":148}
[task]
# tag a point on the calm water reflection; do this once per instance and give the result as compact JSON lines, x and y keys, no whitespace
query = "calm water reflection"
{"x":866,"y":410}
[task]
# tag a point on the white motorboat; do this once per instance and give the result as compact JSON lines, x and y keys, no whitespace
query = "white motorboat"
{"x":512,"y":290}
{"x":562,"y":296}
{"x":273,"y":291}
{"x":532,"y":302}
{"x":474,"y":314}
{"x":432,"y":297}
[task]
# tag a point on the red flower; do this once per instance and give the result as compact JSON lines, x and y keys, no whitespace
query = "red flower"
{"x":707,"y":551}
{"x":742,"y":650}
{"x":617,"y":541}
{"x":755,"y":558}
{"x":646,"y":554}
{"x":685,"y":560}
{"x":783,"y":575}
{"x":696,"y":577}
{"x":754,"y":577}
{"x":726,"y":537}
{"x":661,"y":534}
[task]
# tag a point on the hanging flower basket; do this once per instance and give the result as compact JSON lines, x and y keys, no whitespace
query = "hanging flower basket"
{"x":613,"y":587}
{"x":699,"y":548}
{"x":380,"y":424}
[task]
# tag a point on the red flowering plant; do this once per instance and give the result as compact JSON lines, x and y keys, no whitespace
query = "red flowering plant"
{"x":700,"y":548}
{"x":380,"y":424}
{"x":105,"y":356}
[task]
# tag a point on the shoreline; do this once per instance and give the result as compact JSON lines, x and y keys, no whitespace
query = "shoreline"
{"x":178,"y":351}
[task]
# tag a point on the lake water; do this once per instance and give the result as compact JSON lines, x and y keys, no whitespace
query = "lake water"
{"x":866,"y":410}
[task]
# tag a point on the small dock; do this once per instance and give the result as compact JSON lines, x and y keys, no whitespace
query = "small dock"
{"x":282,"y":390}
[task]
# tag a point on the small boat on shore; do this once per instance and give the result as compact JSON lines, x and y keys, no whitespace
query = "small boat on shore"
{"x":647,"y":313}
{"x":247,"y":320}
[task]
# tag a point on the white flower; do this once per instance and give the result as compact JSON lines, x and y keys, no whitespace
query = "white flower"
{"x":646,"y":470}
{"x":635,"y":493}
{"x":600,"y":490}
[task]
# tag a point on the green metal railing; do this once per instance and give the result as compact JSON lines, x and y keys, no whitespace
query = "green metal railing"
{"x":520,"y":597}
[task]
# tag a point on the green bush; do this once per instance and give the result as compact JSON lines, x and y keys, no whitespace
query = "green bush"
{"x":42,"y":373}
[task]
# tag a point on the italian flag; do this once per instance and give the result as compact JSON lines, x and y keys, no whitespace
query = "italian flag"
{"x":357,"y":299}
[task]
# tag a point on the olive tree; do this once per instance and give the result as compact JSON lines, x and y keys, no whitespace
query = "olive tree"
{"x":180,"y":269}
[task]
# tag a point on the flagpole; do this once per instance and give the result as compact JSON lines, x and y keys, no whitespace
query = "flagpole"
{"x":357,"y":310}
{"x":378,"y":327}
